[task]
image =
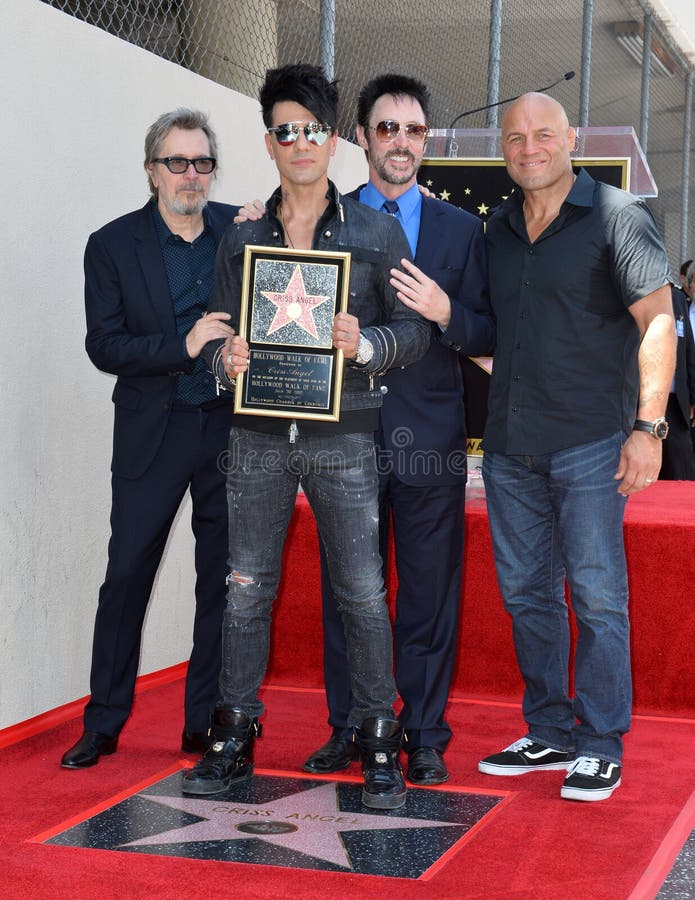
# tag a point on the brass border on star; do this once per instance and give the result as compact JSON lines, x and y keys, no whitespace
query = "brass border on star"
{"x":294,"y":378}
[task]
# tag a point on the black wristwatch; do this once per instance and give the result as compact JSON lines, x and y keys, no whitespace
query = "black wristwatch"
{"x":658,"y":428}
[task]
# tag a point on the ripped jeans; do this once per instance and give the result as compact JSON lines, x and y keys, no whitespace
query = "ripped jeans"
{"x":339,"y":478}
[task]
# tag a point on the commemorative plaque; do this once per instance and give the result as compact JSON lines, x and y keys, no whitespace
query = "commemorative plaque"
{"x":288,"y":301}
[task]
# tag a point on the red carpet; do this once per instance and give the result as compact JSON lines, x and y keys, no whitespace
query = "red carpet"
{"x":534,"y":846}
{"x":660,"y":544}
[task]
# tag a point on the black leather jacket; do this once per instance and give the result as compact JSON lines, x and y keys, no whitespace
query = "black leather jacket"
{"x":377,"y":244}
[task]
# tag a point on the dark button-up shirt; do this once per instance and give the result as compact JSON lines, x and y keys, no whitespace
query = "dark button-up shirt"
{"x":190,"y":269}
{"x":565,"y":367}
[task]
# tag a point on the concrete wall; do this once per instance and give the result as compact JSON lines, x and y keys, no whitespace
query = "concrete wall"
{"x":80,"y":102}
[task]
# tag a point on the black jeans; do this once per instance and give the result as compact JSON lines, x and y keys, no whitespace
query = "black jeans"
{"x":338,"y":476}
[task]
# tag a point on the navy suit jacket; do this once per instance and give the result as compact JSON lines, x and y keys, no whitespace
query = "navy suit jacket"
{"x":685,"y":355}
{"x":423,"y":427}
{"x":131,"y":330}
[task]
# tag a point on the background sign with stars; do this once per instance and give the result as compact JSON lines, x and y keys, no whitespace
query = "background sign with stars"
{"x":480,"y":185}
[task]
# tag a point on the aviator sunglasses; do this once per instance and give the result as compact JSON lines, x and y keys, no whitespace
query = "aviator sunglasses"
{"x":177,"y":165}
{"x":315,"y":132}
{"x":389,"y":129}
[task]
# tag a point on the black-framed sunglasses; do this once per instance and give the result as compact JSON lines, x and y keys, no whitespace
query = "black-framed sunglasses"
{"x":315,"y":132}
{"x":177,"y":165}
{"x":389,"y":129}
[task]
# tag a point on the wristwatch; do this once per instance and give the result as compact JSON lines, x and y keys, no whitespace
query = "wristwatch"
{"x":365,"y":351}
{"x":658,"y":428}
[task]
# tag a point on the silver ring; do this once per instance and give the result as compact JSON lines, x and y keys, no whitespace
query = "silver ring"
{"x":229,"y":360}
{"x":649,"y":481}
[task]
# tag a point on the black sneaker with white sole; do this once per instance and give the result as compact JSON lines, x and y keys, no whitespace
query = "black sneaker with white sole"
{"x":524,"y":756}
{"x":591,"y":778}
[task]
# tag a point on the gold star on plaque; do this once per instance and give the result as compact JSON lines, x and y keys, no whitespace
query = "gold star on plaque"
{"x":429,"y":182}
{"x":445,"y":195}
{"x":467,"y":192}
{"x":483,"y":209}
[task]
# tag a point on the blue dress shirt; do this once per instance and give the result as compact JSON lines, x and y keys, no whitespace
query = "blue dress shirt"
{"x":409,"y":209}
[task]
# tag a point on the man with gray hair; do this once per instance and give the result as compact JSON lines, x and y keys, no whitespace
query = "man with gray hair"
{"x":148,"y":278}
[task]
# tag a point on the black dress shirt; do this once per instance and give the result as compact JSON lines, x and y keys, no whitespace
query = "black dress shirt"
{"x":190,"y":269}
{"x":565,"y":367}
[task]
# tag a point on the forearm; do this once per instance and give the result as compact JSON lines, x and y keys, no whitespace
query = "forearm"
{"x":470,"y":331}
{"x":401,"y":342}
{"x":120,"y":340}
{"x":125,"y":354}
{"x":406,"y":336}
{"x":210,"y":354}
{"x":226,"y":298}
{"x":657,"y":362}
{"x":472,"y":326}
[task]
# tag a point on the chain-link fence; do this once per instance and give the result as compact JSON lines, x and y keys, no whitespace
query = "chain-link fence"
{"x":445,"y":43}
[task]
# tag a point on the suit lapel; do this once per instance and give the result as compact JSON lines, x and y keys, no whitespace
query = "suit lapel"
{"x":218,"y":225}
{"x":432,"y":237}
{"x":149,"y":256}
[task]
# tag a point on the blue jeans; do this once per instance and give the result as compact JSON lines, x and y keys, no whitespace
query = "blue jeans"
{"x":554,"y":516}
{"x":338,"y":475}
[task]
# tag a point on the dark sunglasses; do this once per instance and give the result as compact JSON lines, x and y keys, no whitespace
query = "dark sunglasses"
{"x":388,"y":129}
{"x":315,"y":132}
{"x":177,"y":165}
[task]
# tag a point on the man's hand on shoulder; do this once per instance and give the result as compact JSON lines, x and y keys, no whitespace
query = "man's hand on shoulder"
{"x":209,"y":327}
{"x":251,"y":211}
{"x":426,"y":192}
{"x":420,"y":293}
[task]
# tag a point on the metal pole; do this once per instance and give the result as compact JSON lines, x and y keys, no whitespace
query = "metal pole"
{"x":646,"y":71}
{"x":586,"y":63}
{"x":685,"y":180}
{"x":327,"y":37}
{"x":493,"y":62}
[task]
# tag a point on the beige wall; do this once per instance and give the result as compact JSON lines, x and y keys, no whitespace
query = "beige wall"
{"x":80,"y":102}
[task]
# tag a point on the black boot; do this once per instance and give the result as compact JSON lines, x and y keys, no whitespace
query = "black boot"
{"x":380,"y":743}
{"x":230,"y":758}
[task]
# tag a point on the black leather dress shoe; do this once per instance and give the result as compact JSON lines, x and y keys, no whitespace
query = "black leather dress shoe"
{"x":88,"y":749}
{"x":196,"y":742}
{"x":336,"y":754}
{"x":426,"y":766}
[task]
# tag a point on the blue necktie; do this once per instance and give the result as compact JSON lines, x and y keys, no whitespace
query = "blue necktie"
{"x":390,"y":206}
